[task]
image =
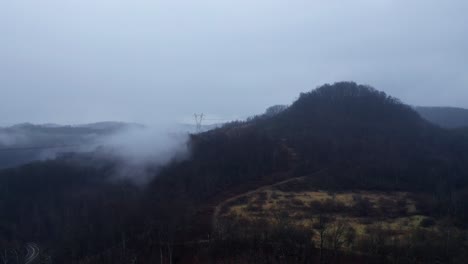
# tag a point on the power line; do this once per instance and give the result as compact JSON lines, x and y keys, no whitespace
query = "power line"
{"x":37,"y":147}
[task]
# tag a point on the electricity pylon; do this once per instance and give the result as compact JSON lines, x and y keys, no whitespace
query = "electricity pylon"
{"x":198,"y":121}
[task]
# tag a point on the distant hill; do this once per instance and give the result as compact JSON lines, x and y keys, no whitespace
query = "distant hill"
{"x":26,"y":142}
{"x":448,"y":117}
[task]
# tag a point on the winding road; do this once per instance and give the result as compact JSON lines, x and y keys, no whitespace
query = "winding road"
{"x":222,"y":204}
{"x":217,"y":210}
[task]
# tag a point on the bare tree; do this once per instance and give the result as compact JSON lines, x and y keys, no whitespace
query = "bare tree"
{"x":322,"y":227}
{"x":340,"y":233}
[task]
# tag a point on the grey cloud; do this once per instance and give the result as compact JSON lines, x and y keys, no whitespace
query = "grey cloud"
{"x":159,"y":61}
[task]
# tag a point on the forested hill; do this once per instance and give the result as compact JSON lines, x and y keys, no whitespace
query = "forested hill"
{"x":363,"y":129}
{"x":360,"y":137}
{"x":449,"y":117}
{"x":343,"y":126}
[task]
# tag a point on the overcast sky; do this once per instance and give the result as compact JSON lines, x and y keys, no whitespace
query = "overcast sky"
{"x":78,"y":61}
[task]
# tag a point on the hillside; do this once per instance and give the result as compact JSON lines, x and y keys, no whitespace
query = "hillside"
{"x":448,"y":117}
{"x":338,"y":142}
{"x":363,"y":129}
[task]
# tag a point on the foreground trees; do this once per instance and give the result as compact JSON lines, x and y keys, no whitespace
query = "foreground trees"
{"x":258,"y":241}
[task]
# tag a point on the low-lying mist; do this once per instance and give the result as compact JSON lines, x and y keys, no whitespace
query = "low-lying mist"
{"x":141,"y":151}
{"x":138,"y":151}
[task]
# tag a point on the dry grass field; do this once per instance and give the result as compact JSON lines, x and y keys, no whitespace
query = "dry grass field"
{"x":359,"y":213}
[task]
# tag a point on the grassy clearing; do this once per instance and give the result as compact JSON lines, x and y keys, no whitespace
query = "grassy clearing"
{"x":394,"y":212}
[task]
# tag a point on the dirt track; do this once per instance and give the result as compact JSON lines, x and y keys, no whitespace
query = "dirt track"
{"x":217,"y":209}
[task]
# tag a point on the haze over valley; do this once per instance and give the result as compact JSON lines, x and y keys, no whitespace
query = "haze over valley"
{"x":234,"y":131}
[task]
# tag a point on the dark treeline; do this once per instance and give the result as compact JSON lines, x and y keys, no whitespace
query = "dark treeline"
{"x":365,"y":139}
